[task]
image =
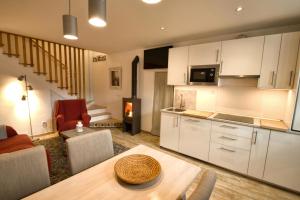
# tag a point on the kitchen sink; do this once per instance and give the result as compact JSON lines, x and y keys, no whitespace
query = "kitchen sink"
{"x":175,"y":109}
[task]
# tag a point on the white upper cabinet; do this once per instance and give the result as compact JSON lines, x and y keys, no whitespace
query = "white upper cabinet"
{"x":287,"y":60}
{"x":270,"y":61}
{"x":178,"y":66}
{"x":242,"y":57}
{"x":259,"y":148}
{"x":283,"y":163}
{"x":205,"y":54}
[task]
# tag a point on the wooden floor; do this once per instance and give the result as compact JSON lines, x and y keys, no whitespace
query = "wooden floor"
{"x":229,"y":185}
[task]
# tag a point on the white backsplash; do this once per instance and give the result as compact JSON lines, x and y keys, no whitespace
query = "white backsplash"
{"x":248,"y":101}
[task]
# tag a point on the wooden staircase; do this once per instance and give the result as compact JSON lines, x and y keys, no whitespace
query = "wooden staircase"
{"x":61,"y":64}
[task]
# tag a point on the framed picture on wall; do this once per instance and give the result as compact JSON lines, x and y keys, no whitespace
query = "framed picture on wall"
{"x":115,"y":77}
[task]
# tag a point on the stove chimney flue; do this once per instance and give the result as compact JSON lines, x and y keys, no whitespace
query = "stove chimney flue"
{"x":134,"y":77}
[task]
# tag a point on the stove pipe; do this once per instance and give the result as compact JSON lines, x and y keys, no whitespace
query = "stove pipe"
{"x":134,"y":77}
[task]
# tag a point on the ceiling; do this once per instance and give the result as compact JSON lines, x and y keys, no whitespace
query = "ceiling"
{"x":133,"y":24}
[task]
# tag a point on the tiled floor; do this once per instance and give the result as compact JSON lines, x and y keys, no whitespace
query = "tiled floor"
{"x":229,"y":186}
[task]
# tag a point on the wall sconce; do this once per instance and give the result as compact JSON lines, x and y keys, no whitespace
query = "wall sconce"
{"x":26,"y":97}
{"x":27,"y":87}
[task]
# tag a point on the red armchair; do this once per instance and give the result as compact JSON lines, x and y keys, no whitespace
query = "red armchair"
{"x":15,"y":142}
{"x":69,"y":112}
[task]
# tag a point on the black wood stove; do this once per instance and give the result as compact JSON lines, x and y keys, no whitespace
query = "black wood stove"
{"x":132,"y":106}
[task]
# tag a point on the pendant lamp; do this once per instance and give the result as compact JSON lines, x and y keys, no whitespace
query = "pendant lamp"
{"x":97,"y":13}
{"x":70,"y":25}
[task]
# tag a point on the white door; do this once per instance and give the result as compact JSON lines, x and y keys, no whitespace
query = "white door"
{"x":287,"y":60}
{"x":259,"y":148}
{"x":178,"y":66}
{"x":242,"y":56}
{"x":283,"y":160}
{"x":205,"y":54}
{"x":169,"y":131}
{"x":270,"y":61}
{"x":194,"y":137}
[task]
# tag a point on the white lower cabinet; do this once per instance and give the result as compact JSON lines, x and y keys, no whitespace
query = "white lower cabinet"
{"x":194,"y":137}
{"x":169,"y":131}
{"x":283,"y":160}
{"x":268,"y":155}
{"x":229,"y":157}
{"x":230,"y":146}
{"x":259,"y":149}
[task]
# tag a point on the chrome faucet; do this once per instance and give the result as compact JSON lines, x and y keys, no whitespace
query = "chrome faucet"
{"x":181,"y":105}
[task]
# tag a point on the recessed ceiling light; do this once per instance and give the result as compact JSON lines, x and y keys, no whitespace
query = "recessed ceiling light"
{"x":162,"y":28}
{"x":239,"y":9}
{"x":151,"y":1}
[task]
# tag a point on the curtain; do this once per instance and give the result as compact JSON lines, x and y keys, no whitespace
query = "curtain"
{"x":163,"y":98}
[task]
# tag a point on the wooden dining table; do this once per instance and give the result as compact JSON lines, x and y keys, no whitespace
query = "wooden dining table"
{"x":100,"y":182}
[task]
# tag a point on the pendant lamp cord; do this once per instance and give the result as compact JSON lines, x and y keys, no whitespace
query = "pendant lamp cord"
{"x":69,"y":7}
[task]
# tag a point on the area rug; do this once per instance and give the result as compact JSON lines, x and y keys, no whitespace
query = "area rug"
{"x":60,"y":168}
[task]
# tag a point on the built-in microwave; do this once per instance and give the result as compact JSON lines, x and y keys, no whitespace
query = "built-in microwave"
{"x":203,"y":75}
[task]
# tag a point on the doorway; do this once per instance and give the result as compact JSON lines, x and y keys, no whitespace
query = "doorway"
{"x":163,"y":98}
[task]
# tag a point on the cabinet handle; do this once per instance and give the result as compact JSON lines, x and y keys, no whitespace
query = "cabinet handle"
{"x":226,"y":126}
{"x":184,"y":78}
{"x":291,"y":78}
{"x":217,"y":57}
{"x":273,"y":77}
{"x":228,"y":150}
{"x":254,"y":137}
{"x":174,"y":125}
{"x":227,"y":138}
{"x":192,"y":120}
{"x":221,"y":66}
{"x":176,"y":121}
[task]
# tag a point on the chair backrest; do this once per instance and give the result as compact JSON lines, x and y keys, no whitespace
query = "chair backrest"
{"x":205,"y":187}
{"x":23,"y":172}
{"x":71,"y":108}
{"x":88,"y":150}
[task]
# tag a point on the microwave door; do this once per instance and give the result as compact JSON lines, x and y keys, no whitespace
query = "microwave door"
{"x":202,"y":75}
{"x":198,"y":75}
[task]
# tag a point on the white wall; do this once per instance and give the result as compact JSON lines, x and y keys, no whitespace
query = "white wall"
{"x":112,"y":98}
{"x":13,"y":111}
{"x":240,"y":100}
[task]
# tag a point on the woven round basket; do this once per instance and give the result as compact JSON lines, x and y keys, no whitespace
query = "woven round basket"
{"x":137,"y":169}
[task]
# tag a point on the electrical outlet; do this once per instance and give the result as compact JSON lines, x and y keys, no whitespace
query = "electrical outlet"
{"x":44,"y":124}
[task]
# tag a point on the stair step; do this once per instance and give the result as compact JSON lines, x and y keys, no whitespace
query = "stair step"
{"x":95,"y":107}
{"x":100,"y":116}
{"x":11,"y":54}
{"x":96,"y":111}
{"x":25,"y":64}
{"x":62,"y":88}
{"x":90,"y":103}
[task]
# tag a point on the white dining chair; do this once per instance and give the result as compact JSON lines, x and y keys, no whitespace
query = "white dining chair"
{"x":23,"y":172}
{"x":205,"y":187}
{"x":88,"y":150}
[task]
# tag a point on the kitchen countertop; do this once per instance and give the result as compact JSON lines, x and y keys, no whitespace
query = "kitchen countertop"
{"x":277,"y":125}
{"x":198,"y":114}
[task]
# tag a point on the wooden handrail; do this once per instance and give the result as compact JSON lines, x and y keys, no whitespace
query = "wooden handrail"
{"x":34,"y":38}
{"x":46,"y":52}
{"x":68,"y":61}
